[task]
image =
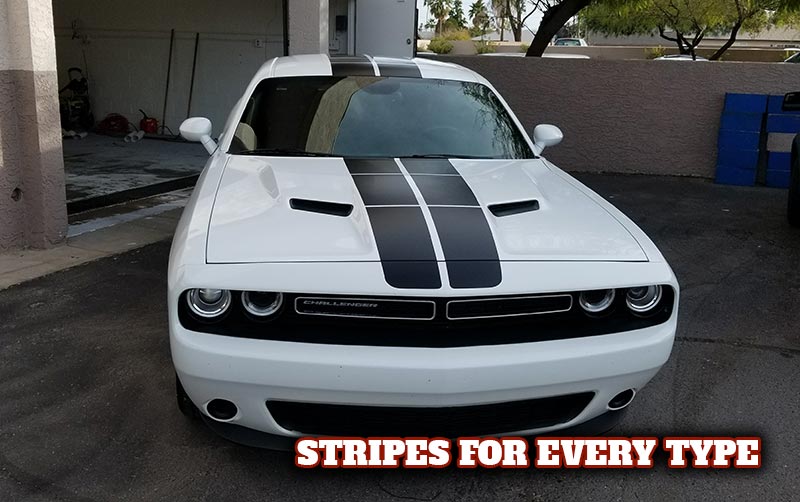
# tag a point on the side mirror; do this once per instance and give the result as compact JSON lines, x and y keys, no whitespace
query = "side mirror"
{"x":791,"y":102}
{"x":198,"y":130}
{"x":545,"y":135}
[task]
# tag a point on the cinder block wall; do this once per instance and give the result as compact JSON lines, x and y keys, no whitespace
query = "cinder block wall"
{"x":653,"y":117}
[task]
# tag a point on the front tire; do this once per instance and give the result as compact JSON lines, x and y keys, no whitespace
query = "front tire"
{"x":185,"y":404}
{"x":793,"y":210}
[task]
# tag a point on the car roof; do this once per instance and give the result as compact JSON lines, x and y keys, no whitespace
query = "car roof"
{"x":321,"y":64}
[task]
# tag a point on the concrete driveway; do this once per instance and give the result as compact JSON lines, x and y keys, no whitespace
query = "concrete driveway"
{"x":87,"y":393}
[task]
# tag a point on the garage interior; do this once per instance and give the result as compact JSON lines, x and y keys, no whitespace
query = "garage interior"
{"x":165,"y":60}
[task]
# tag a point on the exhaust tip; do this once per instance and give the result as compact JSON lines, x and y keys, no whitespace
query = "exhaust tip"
{"x":622,"y":400}
{"x":222,"y":410}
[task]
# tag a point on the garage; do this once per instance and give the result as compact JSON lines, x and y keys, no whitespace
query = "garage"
{"x":148,"y":66}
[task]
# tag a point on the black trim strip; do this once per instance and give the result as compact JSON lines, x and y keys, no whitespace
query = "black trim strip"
{"x":468,"y":245}
{"x":346,"y":66}
{"x":407,"y":69}
{"x":322,"y":207}
{"x":512,"y":208}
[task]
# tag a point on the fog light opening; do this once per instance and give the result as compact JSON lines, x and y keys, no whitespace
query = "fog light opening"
{"x":622,"y":400}
{"x":222,"y":410}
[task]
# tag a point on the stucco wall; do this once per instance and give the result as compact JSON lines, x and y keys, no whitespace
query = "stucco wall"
{"x":32,"y":205}
{"x":654,"y":117}
{"x":125,"y":46}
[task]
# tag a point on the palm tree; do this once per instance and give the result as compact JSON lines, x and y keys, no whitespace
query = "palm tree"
{"x":479,"y":16}
{"x":440,"y":10}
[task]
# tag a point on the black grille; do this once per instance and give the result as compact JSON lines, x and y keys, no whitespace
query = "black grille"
{"x":366,"y":421}
{"x":508,"y":307}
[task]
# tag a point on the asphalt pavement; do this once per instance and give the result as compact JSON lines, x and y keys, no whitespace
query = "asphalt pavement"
{"x":87,"y":408}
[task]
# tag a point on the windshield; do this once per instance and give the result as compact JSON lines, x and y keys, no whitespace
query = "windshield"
{"x":363,"y":116}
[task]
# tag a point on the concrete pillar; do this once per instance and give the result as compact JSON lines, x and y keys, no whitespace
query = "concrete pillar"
{"x":32,"y":196}
{"x":308,"y":26}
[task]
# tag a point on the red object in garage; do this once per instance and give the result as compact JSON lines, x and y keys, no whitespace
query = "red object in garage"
{"x":148,"y":124}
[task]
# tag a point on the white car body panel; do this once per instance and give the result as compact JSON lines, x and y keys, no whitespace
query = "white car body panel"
{"x":238,"y":232}
{"x":254,"y":196}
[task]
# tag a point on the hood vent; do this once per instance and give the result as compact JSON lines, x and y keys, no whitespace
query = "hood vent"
{"x":322,"y":207}
{"x":511,"y":208}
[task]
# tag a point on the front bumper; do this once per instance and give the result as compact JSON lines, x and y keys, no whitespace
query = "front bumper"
{"x":250,"y":372}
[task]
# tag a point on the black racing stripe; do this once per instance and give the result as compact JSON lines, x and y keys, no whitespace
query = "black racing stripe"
{"x":405,"y":247}
{"x":352,"y":66}
{"x":468,"y":246}
{"x":384,"y":190}
{"x":401,"y":234}
{"x":412,"y":274}
{"x":445,"y":190}
{"x":399,"y":69}
{"x":372,"y":166}
{"x":429,"y":166}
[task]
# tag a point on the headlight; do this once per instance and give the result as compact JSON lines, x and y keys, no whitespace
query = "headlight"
{"x":261,"y":304}
{"x":643,"y":300}
{"x":596,"y":302}
{"x":208,"y":303}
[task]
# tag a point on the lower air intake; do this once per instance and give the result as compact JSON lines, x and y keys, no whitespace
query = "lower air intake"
{"x":368,"y":421}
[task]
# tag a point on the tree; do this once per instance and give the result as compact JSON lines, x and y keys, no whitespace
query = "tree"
{"x":500,"y":8}
{"x":480,"y":17}
{"x":517,"y":17}
{"x":555,"y":14}
{"x":457,"y":20}
{"x":684,"y":22}
{"x":440,"y":9}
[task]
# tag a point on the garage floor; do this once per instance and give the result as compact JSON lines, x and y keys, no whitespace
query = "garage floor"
{"x":88,"y":402}
{"x":99,"y":165}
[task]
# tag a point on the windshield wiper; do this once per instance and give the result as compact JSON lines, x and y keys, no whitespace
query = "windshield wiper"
{"x":444,"y":156}
{"x":288,"y":152}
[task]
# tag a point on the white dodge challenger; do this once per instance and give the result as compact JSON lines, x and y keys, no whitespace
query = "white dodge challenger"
{"x":377,"y":248}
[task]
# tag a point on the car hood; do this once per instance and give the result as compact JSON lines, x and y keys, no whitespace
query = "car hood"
{"x":253,"y":219}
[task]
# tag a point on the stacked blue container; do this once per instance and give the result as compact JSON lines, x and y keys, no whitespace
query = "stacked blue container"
{"x":781,"y":127}
{"x":739,"y":138}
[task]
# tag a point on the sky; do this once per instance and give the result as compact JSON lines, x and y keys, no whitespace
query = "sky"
{"x":532,"y":22}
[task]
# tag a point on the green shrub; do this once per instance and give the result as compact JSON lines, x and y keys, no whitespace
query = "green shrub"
{"x":483,"y":47}
{"x":440,"y":45}
{"x":457,"y":35}
{"x":654,"y":52}
{"x":524,"y":47}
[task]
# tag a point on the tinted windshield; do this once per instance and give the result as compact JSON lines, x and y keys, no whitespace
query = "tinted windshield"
{"x":363,"y":116}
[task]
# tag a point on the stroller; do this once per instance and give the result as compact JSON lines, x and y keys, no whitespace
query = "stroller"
{"x":76,"y":111}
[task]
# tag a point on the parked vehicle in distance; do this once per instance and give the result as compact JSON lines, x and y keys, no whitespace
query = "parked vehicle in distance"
{"x":352,"y":264}
{"x":570,"y":42}
{"x":794,"y":58}
{"x":791,"y":103}
{"x":680,"y":57}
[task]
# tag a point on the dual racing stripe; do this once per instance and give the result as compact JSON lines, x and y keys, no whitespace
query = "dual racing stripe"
{"x":346,"y":66}
{"x":402,"y":234}
{"x":398,"y":224}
